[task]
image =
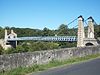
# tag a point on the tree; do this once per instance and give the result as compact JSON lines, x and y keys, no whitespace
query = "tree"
{"x":1,"y":33}
{"x":63,"y":30}
{"x":72,"y":32}
{"x":52,"y":45}
{"x":47,"y":32}
{"x":97,"y":30}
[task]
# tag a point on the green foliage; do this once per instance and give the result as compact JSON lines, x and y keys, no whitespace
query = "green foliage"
{"x":1,"y":50}
{"x":30,"y":47}
{"x":63,"y":30}
{"x":37,"y":46}
{"x":20,"y":49}
{"x":1,"y":32}
{"x":97,"y":30}
{"x":47,"y":32}
{"x":9,"y":51}
{"x":67,"y":44}
{"x":72,"y":32}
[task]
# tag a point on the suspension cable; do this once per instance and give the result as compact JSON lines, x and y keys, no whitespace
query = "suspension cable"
{"x":95,"y":23}
{"x":85,"y":21}
{"x":72,"y":21}
{"x":75,"y":26}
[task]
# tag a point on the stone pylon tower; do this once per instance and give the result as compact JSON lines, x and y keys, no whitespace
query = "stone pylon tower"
{"x":81,"y":34}
{"x":90,"y":28}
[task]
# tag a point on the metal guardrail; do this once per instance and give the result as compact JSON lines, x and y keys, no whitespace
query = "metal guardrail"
{"x":45,"y":38}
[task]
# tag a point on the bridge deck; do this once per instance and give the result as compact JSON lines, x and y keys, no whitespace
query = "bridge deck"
{"x":45,"y":38}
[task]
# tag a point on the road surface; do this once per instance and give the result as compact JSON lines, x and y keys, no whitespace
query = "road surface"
{"x":86,"y":68}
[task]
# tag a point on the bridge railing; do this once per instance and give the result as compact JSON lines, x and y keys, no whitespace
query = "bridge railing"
{"x":45,"y":38}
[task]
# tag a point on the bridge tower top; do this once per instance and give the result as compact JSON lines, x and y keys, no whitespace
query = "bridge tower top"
{"x":81,"y":18}
{"x":11,"y":35}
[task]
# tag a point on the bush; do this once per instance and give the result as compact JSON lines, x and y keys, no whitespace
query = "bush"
{"x":1,"y":50}
{"x":9,"y":51}
{"x":32,"y":46}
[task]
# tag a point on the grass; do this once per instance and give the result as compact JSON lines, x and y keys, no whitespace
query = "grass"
{"x":51,"y":64}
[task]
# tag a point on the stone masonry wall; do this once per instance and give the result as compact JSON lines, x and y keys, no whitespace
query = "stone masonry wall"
{"x":11,"y":61}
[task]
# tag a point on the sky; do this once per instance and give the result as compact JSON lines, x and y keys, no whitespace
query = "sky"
{"x":37,"y":14}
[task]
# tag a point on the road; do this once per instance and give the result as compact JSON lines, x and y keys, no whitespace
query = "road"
{"x":86,"y":68}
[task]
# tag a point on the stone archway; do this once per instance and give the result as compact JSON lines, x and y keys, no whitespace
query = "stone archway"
{"x":89,"y":44}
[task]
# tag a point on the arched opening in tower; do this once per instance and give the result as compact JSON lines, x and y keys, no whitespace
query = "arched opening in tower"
{"x":89,"y":44}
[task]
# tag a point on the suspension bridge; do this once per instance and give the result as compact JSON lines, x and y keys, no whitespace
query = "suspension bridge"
{"x":11,"y":39}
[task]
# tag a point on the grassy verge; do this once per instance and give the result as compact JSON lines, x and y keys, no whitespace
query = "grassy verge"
{"x":53,"y":63}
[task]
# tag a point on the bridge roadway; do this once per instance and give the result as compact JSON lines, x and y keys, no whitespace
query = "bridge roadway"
{"x":45,"y":38}
{"x":86,"y":68}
